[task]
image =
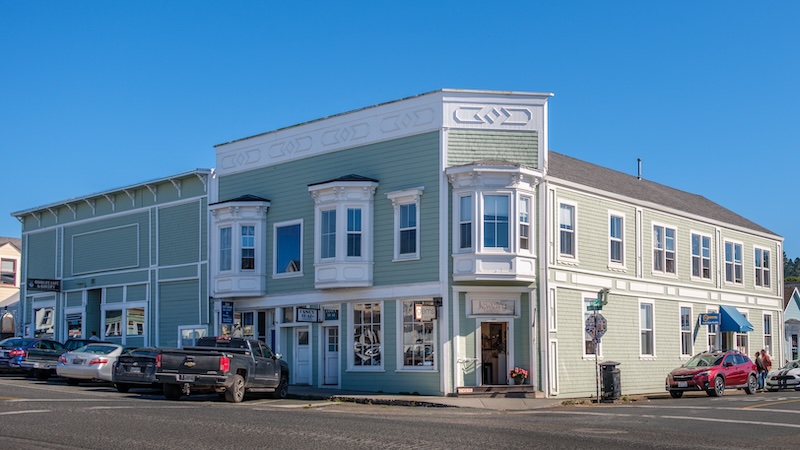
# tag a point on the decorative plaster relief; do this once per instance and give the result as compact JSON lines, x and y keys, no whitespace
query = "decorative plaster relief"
{"x":492,"y":115}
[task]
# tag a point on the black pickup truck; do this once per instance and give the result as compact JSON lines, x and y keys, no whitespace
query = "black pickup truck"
{"x":229,"y":366}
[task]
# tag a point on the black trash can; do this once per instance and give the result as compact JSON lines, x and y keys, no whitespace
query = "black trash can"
{"x":609,"y":375}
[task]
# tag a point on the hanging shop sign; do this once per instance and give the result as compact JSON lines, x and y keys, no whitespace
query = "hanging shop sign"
{"x":331,"y":314}
{"x":307,"y":315}
{"x":41,"y":284}
{"x":424,"y":313}
{"x":227,"y":313}
{"x":709,"y":319}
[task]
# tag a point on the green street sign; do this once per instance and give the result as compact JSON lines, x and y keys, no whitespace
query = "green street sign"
{"x":594,"y":305}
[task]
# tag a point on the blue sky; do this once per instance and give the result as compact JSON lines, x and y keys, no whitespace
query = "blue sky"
{"x":96,"y":95}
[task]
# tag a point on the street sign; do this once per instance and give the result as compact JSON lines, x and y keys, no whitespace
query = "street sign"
{"x":594,"y":305}
{"x":596,"y":326}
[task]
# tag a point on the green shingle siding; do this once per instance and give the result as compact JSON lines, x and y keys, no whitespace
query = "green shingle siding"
{"x":468,"y":146}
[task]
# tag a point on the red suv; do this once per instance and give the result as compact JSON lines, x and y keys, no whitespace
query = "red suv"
{"x":714,"y":372}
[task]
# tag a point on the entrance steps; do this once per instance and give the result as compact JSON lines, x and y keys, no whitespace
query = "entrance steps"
{"x":499,"y":391}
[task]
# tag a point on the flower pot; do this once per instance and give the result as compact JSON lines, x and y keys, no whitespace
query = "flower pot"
{"x":518,"y":380}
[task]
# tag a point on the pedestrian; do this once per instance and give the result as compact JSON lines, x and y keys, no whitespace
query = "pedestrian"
{"x":94,"y":337}
{"x":765,"y":358}
{"x":761,"y":371}
{"x":237,"y":333}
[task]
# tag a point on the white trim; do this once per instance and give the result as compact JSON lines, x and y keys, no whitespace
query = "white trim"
{"x":552,"y":317}
{"x":756,"y":268}
{"x":617,"y":265}
{"x":566,"y":257}
{"x":692,"y":321}
{"x":723,"y":253}
{"x":553,"y":366}
{"x":663,"y":272}
{"x":479,"y":321}
{"x":400,"y":199}
{"x":351,"y":367}
{"x":400,"y":344}
{"x":189,"y":327}
{"x":711,"y":251}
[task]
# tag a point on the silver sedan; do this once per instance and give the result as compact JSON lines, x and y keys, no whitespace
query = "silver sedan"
{"x":87,"y":363}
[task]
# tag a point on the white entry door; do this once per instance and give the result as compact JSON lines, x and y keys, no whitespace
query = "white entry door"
{"x":331,"y":375}
{"x":302,"y":357}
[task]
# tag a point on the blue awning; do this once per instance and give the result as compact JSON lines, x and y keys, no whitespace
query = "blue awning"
{"x":732,"y":320}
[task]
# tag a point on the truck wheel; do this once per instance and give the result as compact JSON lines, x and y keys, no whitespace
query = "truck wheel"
{"x":73,"y":381}
{"x":41,"y":375}
{"x":235,"y":394}
{"x":283,"y":388}
{"x":122,"y":387}
{"x":172,"y":391}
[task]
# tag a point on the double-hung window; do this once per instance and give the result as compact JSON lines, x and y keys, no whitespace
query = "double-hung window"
{"x":733,"y":262}
{"x":713,"y":336}
{"x":495,"y":221}
{"x":768,"y":333}
{"x":701,"y":256}
{"x":686,"y":331}
{"x":615,"y":239}
{"x":762,"y":265}
{"x":353,"y":232}
{"x":248,"y":247}
{"x":225,"y":249}
{"x":663,"y":249}
{"x":566,"y":224}
{"x":465,"y":230}
{"x":524,"y":223}
{"x":288,"y":247}
{"x":406,"y":206}
{"x":646,"y":330}
{"x":8,"y":272}
{"x":327,"y":236}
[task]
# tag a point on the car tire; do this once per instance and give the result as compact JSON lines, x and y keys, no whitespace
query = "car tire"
{"x":676,"y":394}
{"x":772,"y":389}
{"x":172,"y":391}
{"x":718,"y":389}
{"x":41,"y":375}
{"x":752,"y":385}
{"x":235,"y":394}
{"x":282,"y":391}
{"x":73,"y":381}
{"x":122,"y":388}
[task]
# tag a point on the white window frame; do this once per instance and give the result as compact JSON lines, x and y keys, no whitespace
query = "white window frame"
{"x":528,"y":224}
{"x":509,"y":224}
{"x":222,"y":256}
{"x":573,"y":232}
{"x":351,"y":367}
{"x":651,"y":330}
{"x":586,"y":298}
{"x":124,"y":306}
{"x":762,"y":269}
{"x":664,"y":258}
{"x":275,"y":246}
{"x":733,"y":263}
{"x":15,"y":272}
{"x":401,"y":367}
{"x":768,"y":332}
{"x":468,"y":219}
{"x":700,"y":257}
{"x":242,"y":247}
{"x":745,"y":336}
{"x":400,"y":198}
{"x":612,"y":239}
{"x":684,"y":333}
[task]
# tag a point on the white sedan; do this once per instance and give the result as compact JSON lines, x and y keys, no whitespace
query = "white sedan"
{"x":92,"y":362}
{"x":787,"y":377}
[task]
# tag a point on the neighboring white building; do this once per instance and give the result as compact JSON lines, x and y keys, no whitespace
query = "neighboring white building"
{"x":10,"y":256}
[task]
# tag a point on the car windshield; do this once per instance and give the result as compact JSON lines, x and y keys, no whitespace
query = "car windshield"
{"x":97,"y":349}
{"x":703,"y":361}
{"x":791,"y":365}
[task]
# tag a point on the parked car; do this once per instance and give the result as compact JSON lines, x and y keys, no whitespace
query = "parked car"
{"x":72,"y":343}
{"x":787,"y":377}
{"x":225,"y":365}
{"x":14,"y":350}
{"x":714,"y":372}
{"x":91,"y":362}
{"x":136,"y":368}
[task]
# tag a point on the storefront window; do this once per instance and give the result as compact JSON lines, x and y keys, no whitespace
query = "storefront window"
{"x":113,"y":323}
{"x":135,"y":322}
{"x":418,"y":340}
{"x":367,"y":334}
{"x":74,"y":326}
{"x":44,"y":323}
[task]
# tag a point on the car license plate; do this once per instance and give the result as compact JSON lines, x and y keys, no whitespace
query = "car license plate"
{"x":682,"y":384}
{"x":135,"y":370}
{"x":77,"y":361}
{"x":189,"y":378}
{"x":4,"y":354}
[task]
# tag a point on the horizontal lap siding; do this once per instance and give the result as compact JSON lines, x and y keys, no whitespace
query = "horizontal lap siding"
{"x":114,"y":243}
{"x":398,"y":164}
{"x":179,"y":230}
{"x":466,"y":146}
{"x":40,"y":257}
{"x":178,"y":304}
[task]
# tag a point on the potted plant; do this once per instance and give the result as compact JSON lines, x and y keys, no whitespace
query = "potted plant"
{"x":518,"y":374}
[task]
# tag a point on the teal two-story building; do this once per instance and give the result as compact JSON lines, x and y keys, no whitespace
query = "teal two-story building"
{"x":430,"y":244}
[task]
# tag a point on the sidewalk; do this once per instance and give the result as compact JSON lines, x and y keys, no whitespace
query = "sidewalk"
{"x":375,"y":398}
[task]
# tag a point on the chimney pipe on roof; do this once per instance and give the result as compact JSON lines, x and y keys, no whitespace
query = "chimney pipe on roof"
{"x":639,"y":160}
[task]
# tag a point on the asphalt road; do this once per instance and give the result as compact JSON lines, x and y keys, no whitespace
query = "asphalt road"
{"x":52,"y":415}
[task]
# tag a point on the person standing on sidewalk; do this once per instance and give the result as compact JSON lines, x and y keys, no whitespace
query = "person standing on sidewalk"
{"x":761,"y":371}
{"x":765,"y":358}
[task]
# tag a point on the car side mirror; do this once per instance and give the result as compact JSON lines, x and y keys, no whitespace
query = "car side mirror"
{"x":277,"y":356}
{"x":728,"y":364}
